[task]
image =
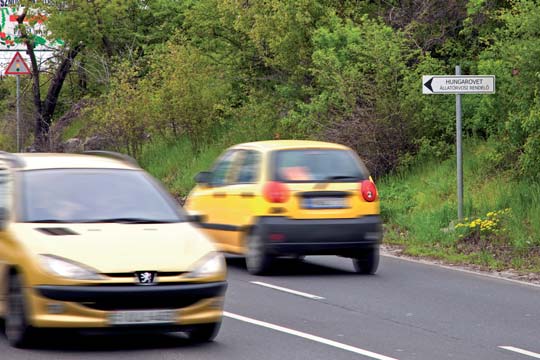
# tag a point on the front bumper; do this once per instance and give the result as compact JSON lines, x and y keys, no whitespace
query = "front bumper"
{"x":346,"y":237}
{"x":91,"y":306}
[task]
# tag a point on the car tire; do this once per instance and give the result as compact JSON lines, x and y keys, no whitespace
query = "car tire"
{"x":204,"y":332}
{"x":367,"y":262}
{"x":16,"y":327}
{"x":258,"y":261}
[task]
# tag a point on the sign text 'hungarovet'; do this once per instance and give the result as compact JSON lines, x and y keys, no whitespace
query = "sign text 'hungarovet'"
{"x":458,"y":84}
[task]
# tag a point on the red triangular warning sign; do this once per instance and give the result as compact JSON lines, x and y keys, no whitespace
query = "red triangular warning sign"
{"x":17,"y":66}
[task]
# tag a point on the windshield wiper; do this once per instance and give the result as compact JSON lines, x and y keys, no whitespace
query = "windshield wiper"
{"x":49,"y":221}
{"x":341,"y":177}
{"x":128,"y":220}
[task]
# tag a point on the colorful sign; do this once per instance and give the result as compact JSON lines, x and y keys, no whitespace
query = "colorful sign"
{"x":9,"y":34}
{"x":10,"y":39}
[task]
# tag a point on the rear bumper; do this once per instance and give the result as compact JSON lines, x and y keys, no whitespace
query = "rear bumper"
{"x":285,"y":236}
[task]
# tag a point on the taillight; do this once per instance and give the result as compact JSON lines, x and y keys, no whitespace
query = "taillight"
{"x":276,"y":192}
{"x":369,"y":190}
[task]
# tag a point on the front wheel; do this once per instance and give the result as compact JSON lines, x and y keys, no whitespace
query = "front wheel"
{"x":18,"y":331}
{"x":367,"y":262}
{"x":258,"y":260}
{"x":204,"y":332}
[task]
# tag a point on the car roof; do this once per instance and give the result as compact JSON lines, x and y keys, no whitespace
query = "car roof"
{"x":272,"y":145}
{"x":37,"y":161}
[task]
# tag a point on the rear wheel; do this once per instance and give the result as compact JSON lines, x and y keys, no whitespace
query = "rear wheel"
{"x":258,"y":261}
{"x":367,"y":262}
{"x":18,"y":331}
{"x":204,"y":332}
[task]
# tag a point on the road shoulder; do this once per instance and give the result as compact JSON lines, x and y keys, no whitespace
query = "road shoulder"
{"x":510,"y":275}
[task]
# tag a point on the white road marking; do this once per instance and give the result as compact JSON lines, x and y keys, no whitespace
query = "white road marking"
{"x":299,"y":293}
{"x":521,"y":351}
{"x":308,"y":336}
{"x":448,"y":267}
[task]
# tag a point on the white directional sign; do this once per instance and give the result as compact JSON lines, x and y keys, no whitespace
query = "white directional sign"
{"x":458,"y":84}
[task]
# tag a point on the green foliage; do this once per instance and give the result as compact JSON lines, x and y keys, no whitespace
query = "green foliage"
{"x":514,"y":112}
{"x":365,"y":93}
{"x":121,"y":117}
{"x":188,"y":94}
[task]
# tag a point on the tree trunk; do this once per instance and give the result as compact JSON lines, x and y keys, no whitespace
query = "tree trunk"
{"x":49,"y":105}
{"x":44,"y":111}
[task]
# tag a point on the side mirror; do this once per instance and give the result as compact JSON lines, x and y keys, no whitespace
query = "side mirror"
{"x":4,"y":215}
{"x":203,"y":178}
{"x":197,"y":218}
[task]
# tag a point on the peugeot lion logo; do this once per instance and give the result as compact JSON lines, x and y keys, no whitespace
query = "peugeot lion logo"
{"x":145,"y":277}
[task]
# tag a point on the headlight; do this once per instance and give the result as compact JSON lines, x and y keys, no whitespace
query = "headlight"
{"x":209,"y":265}
{"x":68,"y":269}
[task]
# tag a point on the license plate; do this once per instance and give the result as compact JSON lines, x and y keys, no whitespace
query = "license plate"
{"x":324,"y":203}
{"x":142,"y":317}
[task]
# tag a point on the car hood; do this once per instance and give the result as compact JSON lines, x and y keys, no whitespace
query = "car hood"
{"x":111,"y":248}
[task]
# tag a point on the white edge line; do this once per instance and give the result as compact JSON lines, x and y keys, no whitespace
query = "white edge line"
{"x":308,"y":336}
{"x":310,"y":296}
{"x":426,"y":262}
{"x":521,"y":351}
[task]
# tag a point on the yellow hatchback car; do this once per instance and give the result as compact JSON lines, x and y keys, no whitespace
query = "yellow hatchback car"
{"x":94,"y":243}
{"x":290,"y":198}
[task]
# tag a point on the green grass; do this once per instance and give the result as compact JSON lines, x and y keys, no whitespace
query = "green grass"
{"x":73,"y":129}
{"x":419,"y":207}
{"x":176,"y":162}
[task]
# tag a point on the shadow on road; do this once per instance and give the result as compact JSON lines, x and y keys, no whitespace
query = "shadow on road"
{"x":73,"y":342}
{"x":295,"y":267}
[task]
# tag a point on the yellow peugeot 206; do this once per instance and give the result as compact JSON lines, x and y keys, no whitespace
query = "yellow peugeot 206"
{"x":290,"y":198}
{"x":94,"y":243}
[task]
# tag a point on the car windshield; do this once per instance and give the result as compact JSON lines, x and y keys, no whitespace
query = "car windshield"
{"x":95,"y":195}
{"x":317,"y":165}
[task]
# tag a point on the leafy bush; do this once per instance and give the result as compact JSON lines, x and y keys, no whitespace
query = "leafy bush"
{"x":514,"y":114}
{"x":357,"y":71}
{"x":121,"y":117}
{"x":187,"y":94}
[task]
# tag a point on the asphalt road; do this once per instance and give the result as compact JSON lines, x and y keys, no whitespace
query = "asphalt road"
{"x":406,"y":311}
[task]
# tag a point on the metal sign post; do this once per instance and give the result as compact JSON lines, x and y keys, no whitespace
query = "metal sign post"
{"x":458,"y":85}
{"x":18,"y":67}
{"x":18,"y":113}
{"x":459,"y":153}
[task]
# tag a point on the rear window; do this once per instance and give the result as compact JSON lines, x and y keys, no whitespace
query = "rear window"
{"x":317,"y":165}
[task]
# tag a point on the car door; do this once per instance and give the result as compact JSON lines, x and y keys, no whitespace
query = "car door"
{"x":209,"y":200}
{"x":240,"y":199}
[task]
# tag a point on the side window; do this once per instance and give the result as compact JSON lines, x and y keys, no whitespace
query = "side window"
{"x":249,"y":169}
{"x":5,"y":187}
{"x":220,"y":173}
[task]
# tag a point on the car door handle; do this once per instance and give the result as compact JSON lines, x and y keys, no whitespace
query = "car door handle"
{"x":219,"y":194}
{"x":247,"y":194}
